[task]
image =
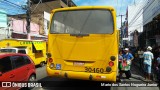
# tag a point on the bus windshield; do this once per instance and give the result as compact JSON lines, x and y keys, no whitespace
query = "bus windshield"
{"x":82,"y":22}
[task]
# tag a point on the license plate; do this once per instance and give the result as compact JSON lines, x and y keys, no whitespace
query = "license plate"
{"x":78,"y":63}
{"x":58,"y":66}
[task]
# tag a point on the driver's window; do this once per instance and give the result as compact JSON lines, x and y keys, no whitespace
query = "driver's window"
{"x":5,"y":64}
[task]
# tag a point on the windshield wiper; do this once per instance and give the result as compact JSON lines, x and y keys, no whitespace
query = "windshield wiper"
{"x":79,"y":35}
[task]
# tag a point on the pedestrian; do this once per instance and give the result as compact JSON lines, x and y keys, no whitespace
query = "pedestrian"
{"x":120,"y":58}
{"x":127,"y":57}
{"x":148,"y":57}
{"x":140,"y":57}
{"x":158,"y":60}
{"x":158,"y":75}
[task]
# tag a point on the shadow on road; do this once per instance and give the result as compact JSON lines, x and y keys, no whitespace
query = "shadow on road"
{"x":49,"y":83}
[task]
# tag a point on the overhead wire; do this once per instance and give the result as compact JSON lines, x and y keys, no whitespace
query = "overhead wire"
{"x":148,"y":17}
{"x":144,"y":8}
{"x":147,"y":14}
{"x":48,"y":6}
{"x":10,"y":5}
{"x":116,"y":5}
{"x":135,"y":9}
{"x":15,"y":12}
{"x":120,"y":8}
{"x":133,"y":14}
{"x":40,"y":1}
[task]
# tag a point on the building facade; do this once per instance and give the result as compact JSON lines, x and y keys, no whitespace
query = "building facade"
{"x":18,"y":30}
{"x":151,"y":24}
{"x":40,"y":15}
{"x":43,"y":9}
{"x":3,"y":25}
{"x":135,"y":21}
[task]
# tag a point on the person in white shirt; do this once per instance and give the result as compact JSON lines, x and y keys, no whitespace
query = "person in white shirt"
{"x":148,"y":57}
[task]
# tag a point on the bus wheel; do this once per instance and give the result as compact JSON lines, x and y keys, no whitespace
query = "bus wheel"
{"x":42,"y":64}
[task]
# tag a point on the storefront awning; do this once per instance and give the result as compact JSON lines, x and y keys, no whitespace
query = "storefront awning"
{"x":38,"y":46}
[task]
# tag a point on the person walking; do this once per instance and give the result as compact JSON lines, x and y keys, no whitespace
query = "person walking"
{"x":140,"y":57}
{"x":120,"y":58}
{"x":158,"y":60}
{"x":148,"y":57}
{"x":127,"y":57}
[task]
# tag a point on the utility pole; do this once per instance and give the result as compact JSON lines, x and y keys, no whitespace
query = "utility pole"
{"x":28,"y":18}
{"x":121,"y":39}
{"x":134,"y":2}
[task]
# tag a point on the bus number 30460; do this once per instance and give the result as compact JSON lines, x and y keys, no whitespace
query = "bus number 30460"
{"x":95,"y":70}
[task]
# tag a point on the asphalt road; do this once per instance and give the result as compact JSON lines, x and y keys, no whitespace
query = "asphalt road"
{"x":60,"y":83}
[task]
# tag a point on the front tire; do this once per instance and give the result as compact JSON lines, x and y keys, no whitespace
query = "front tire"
{"x":32,"y":79}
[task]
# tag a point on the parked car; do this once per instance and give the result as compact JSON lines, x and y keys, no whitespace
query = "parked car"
{"x":16,"y":67}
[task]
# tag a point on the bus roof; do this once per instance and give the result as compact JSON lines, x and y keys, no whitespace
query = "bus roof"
{"x":84,"y":7}
{"x":22,"y":40}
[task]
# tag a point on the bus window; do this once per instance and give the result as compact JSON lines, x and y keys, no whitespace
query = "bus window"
{"x":22,"y":51}
{"x":7,"y":50}
{"x":88,"y":22}
{"x":39,"y":53}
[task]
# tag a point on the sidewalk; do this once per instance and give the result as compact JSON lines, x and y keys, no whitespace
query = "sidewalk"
{"x":141,"y":73}
{"x":137,"y":67}
{"x":136,"y":71}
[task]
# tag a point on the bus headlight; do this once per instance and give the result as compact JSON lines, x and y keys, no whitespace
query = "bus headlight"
{"x":51,"y":65}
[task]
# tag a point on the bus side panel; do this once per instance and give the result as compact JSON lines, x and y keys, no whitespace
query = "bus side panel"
{"x":39,"y":56}
{"x":28,"y":44}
